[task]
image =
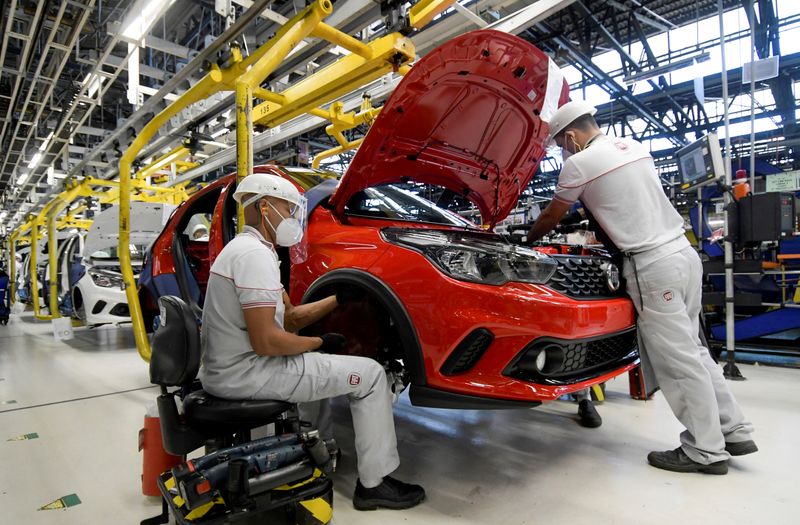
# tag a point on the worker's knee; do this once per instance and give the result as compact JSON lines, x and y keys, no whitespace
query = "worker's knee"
{"x":369,"y":374}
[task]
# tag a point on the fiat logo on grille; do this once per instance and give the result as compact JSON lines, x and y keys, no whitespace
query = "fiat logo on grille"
{"x":612,"y":276}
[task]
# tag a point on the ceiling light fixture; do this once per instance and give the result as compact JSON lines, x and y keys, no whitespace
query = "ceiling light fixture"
{"x":145,"y":14}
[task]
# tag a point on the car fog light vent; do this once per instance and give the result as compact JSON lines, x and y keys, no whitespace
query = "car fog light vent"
{"x":468,"y":352}
{"x":120,"y":310}
{"x":98,"y":307}
{"x":550,"y":359}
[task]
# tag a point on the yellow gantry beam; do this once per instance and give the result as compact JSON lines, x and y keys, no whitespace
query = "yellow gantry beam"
{"x":177,"y":154}
{"x":244,"y":76}
{"x":424,"y":11}
{"x":343,"y":76}
{"x":341,"y":122}
{"x":85,"y":188}
{"x":291,"y":34}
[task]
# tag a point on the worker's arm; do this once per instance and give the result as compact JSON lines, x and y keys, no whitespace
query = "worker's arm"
{"x":269,"y":339}
{"x":298,"y":317}
{"x":547,"y":220}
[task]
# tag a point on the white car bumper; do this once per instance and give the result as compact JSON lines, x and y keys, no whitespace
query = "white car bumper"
{"x":102,"y":305}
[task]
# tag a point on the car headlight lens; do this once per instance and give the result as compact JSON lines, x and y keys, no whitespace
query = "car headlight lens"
{"x":105,"y":279}
{"x":478,"y":258}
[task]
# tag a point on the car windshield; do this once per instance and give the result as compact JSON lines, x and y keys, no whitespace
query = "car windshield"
{"x":393,"y":203}
{"x":110,"y":253}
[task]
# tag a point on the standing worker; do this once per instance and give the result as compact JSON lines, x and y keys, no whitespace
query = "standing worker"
{"x":617,"y":182}
{"x":250,"y":352}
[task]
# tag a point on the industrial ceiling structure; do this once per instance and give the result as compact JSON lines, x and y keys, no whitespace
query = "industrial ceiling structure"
{"x":79,"y":78}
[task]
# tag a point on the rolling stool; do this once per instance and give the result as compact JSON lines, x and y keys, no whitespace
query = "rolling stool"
{"x":207,"y":420}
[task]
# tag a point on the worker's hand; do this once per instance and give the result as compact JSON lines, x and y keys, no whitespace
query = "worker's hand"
{"x":347,"y":293}
{"x":332,"y":343}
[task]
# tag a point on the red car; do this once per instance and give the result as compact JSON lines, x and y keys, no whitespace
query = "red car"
{"x":463,"y":316}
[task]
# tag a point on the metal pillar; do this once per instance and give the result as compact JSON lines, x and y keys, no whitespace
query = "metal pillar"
{"x":731,"y":370}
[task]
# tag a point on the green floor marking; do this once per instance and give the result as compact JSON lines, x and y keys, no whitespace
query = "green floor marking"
{"x":9,"y":402}
{"x":70,"y":500}
{"x":24,"y":437}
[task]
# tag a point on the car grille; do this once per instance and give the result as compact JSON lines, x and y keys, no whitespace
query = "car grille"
{"x":591,"y":354}
{"x":576,"y":359}
{"x":582,"y":277}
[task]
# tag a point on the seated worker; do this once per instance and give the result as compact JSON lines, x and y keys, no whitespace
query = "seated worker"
{"x":250,"y":352}
{"x":200,"y":233}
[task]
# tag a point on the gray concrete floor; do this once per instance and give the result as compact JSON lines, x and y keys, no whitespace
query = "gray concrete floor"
{"x":86,"y":399}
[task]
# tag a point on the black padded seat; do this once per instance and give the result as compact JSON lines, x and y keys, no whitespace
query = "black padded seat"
{"x":175,"y":361}
{"x":201,"y":409}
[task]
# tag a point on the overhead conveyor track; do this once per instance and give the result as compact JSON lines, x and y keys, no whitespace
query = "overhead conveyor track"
{"x":32,"y":26}
{"x":41,"y":82}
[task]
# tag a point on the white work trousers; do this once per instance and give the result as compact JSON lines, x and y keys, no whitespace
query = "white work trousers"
{"x":670,"y":291}
{"x":311,"y":377}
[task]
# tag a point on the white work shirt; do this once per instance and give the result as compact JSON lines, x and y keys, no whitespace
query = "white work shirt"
{"x":616,"y":179}
{"x":246,"y":274}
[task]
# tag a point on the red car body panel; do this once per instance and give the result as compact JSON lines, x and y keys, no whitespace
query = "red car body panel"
{"x":460,"y":107}
{"x":444,"y":310}
{"x":466,"y":117}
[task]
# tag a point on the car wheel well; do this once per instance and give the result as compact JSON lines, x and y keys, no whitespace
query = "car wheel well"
{"x":381,"y":294}
{"x":77,"y":298}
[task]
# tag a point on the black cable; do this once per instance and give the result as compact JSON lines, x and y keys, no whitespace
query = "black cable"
{"x":77,"y":399}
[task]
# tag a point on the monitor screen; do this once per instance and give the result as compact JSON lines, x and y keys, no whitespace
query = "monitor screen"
{"x":692,"y":165}
{"x":700,"y":162}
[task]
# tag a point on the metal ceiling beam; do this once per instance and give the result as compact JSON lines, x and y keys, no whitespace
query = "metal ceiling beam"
{"x":153,"y":104}
{"x":41,"y":87}
{"x":23,"y":62}
{"x":529,"y":15}
{"x":585,"y":63}
{"x":626,"y":57}
{"x":470,"y":15}
{"x":766,"y":27}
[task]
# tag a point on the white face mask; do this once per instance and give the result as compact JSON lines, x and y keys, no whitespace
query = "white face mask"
{"x":289,"y":232}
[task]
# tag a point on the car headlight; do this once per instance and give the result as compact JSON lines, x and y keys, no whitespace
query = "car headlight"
{"x":477,"y":258}
{"x":105,"y":279}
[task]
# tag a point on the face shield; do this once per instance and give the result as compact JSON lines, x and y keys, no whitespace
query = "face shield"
{"x":298,"y":251}
{"x":291,"y":230}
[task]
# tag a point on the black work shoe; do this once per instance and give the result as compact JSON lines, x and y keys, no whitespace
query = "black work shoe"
{"x":391,"y":494}
{"x":677,"y":461}
{"x":588,"y":414}
{"x":742,"y":448}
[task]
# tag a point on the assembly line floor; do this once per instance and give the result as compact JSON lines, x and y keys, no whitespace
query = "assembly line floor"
{"x":85,"y":400}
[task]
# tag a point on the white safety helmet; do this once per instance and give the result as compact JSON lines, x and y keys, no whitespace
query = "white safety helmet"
{"x":264,"y":185}
{"x":566,"y":115}
{"x":291,"y":230}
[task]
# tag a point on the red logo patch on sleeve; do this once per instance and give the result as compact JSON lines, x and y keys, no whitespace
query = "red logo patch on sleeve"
{"x":354,"y":380}
{"x":667,"y":296}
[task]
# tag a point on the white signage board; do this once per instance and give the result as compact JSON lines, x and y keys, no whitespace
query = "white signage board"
{"x":786,"y":181}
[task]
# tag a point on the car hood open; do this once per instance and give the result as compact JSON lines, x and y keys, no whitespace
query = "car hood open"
{"x":470,"y":116}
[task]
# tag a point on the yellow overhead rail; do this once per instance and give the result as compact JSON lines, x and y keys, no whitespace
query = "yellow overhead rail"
{"x":424,"y":11}
{"x":175,"y":156}
{"x":87,"y":187}
{"x":341,"y":122}
{"x":16,"y":237}
{"x":367,"y":62}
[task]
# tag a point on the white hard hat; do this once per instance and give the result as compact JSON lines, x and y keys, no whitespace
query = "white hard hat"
{"x":198,"y":227}
{"x":264,"y":185}
{"x":566,"y":115}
